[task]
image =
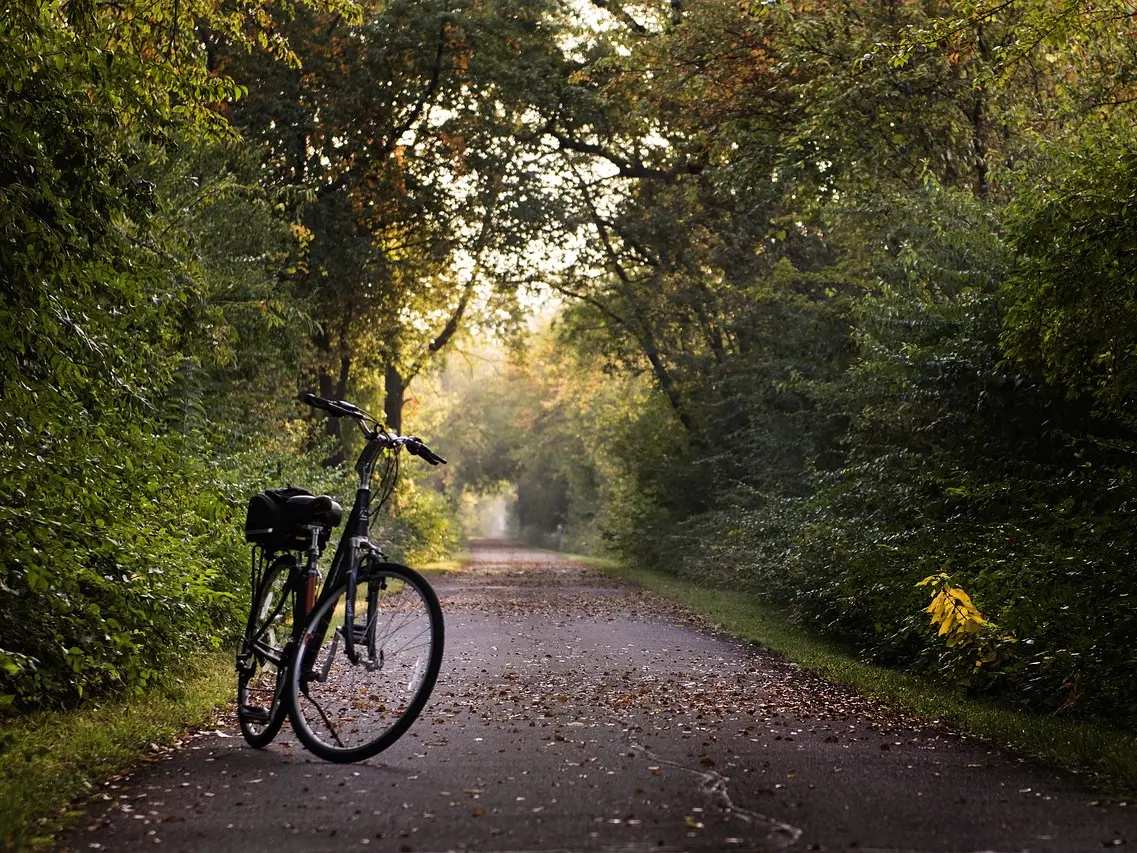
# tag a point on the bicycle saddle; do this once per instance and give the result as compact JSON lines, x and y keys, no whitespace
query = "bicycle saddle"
{"x":314,"y":509}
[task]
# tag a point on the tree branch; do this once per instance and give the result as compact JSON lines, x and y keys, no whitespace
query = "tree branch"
{"x":642,"y":332}
{"x":605,"y":239}
{"x":427,"y":94}
{"x":589,"y":300}
{"x":627,"y":168}
{"x":452,"y":324}
{"x":621,"y":14}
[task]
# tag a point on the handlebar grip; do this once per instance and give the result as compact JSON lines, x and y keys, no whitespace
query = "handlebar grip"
{"x":337,"y":408}
{"x":415,"y":447}
{"x":312,"y":400}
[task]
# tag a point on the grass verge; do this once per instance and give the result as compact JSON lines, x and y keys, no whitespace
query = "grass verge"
{"x":454,"y":563}
{"x":1083,"y":747}
{"x":50,"y":759}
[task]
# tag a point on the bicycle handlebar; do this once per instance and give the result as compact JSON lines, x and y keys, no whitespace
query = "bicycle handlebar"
{"x":343,"y":409}
{"x":337,"y":408}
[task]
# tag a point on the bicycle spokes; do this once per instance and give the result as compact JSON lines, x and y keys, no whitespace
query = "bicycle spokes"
{"x":347,"y":705}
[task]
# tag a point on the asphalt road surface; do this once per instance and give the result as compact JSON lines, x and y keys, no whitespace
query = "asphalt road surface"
{"x":574,"y":714}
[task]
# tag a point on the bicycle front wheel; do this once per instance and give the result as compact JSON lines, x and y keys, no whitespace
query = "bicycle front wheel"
{"x":345,"y":709}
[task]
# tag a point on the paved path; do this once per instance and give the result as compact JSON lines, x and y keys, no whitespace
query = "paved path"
{"x":576,"y":715}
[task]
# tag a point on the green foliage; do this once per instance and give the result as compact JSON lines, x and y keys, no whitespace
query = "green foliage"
{"x":1075,"y":245}
{"x":953,"y":461}
{"x":410,"y":182}
{"x":142,"y":311}
{"x":119,"y":556}
{"x":121,"y":548}
{"x":420,"y":524}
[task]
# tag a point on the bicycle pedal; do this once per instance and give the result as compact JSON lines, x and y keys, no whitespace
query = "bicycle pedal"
{"x":252,"y":714}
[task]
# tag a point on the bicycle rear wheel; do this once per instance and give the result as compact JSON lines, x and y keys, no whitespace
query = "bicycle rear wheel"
{"x":262,"y":665}
{"x":348,"y":711}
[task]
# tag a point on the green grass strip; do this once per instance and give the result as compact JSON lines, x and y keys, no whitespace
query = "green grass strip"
{"x":50,"y":759}
{"x":1083,"y":747}
{"x":454,"y":563}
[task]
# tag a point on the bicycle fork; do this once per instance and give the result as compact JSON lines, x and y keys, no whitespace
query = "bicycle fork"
{"x":361,"y":633}
{"x":351,"y":633}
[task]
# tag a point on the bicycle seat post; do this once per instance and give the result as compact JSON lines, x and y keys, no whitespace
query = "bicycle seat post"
{"x":313,"y":567}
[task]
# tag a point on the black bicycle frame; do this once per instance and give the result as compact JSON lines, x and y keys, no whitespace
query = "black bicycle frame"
{"x":347,"y":557}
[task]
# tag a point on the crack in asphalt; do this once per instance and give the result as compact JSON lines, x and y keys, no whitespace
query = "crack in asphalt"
{"x":714,"y":787}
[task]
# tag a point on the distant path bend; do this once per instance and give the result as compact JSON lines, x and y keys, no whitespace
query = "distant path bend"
{"x":573,"y":714}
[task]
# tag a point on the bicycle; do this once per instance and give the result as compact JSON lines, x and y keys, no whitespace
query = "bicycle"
{"x":353,"y":662}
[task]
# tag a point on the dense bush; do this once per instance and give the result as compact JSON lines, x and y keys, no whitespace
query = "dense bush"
{"x":119,"y":558}
{"x":1075,"y":286}
{"x":956,"y":461}
{"x":420,"y":524}
{"x":869,"y":444}
{"x":955,"y":466}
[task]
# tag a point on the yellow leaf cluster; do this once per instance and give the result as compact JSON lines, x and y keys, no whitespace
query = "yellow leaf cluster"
{"x":959,"y":620}
{"x":953,"y":612}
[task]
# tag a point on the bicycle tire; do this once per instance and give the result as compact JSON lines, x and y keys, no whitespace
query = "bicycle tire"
{"x":344,"y":711}
{"x":261,"y":680}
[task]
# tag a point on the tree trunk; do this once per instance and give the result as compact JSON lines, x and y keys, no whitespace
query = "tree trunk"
{"x":667,"y":385}
{"x":331,"y":425}
{"x":394,"y":388}
{"x":333,"y":387}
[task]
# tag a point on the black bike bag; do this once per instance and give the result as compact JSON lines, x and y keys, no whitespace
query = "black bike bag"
{"x":268,"y":521}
